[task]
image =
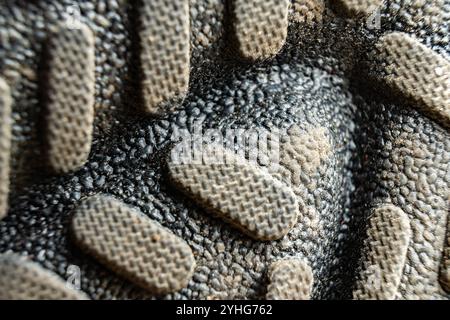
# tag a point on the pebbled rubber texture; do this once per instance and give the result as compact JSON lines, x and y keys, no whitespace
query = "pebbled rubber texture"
{"x":21,"y":279}
{"x":5,"y":145}
{"x":301,"y":155}
{"x":132,"y":245}
{"x":165,"y":52}
{"x":387,"y":242}
{"x":426,"y":15}
{"x":239,"y":192}
{"x":358,"y":140}
{"x":70,"y":85}
{"x":290,"y":279}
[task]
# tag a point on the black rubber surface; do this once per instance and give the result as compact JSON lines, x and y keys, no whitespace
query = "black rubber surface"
{"x":319,"y":79}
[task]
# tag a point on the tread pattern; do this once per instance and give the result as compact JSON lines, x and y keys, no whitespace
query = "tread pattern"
{"x":5,"y":145}
{"x":165,"y":52}
{"x":70,"y":96}
{"x":385,"y":249}
{"x":132,"y":245}
{"x":260,"y":27}
{"x":358,"y":8}
{"x":290,"y":279}
{"x":363,"y":165}
{"x":417,"y":72}
{"x":239,"y":192}
{"x":21,"y":279}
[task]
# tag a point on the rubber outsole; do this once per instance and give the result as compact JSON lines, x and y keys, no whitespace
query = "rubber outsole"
{"x":346,"y":145}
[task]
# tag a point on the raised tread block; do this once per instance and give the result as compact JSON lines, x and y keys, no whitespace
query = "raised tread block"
{"x":132,"y":245}
{"x":384,"y":254}
{"x":240,"y":193}
{"x":165,"y":52}
{"x":417,"y":72}
{"x":307,"y":11}
{"x":290,"y":279}
{"x":260,"y":27}
{"x":21,"y":279}
{"x":359,"y":8}
{"x":70,"y":96}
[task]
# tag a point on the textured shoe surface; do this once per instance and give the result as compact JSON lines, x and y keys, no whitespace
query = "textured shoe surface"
{"x":354,"y":97}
